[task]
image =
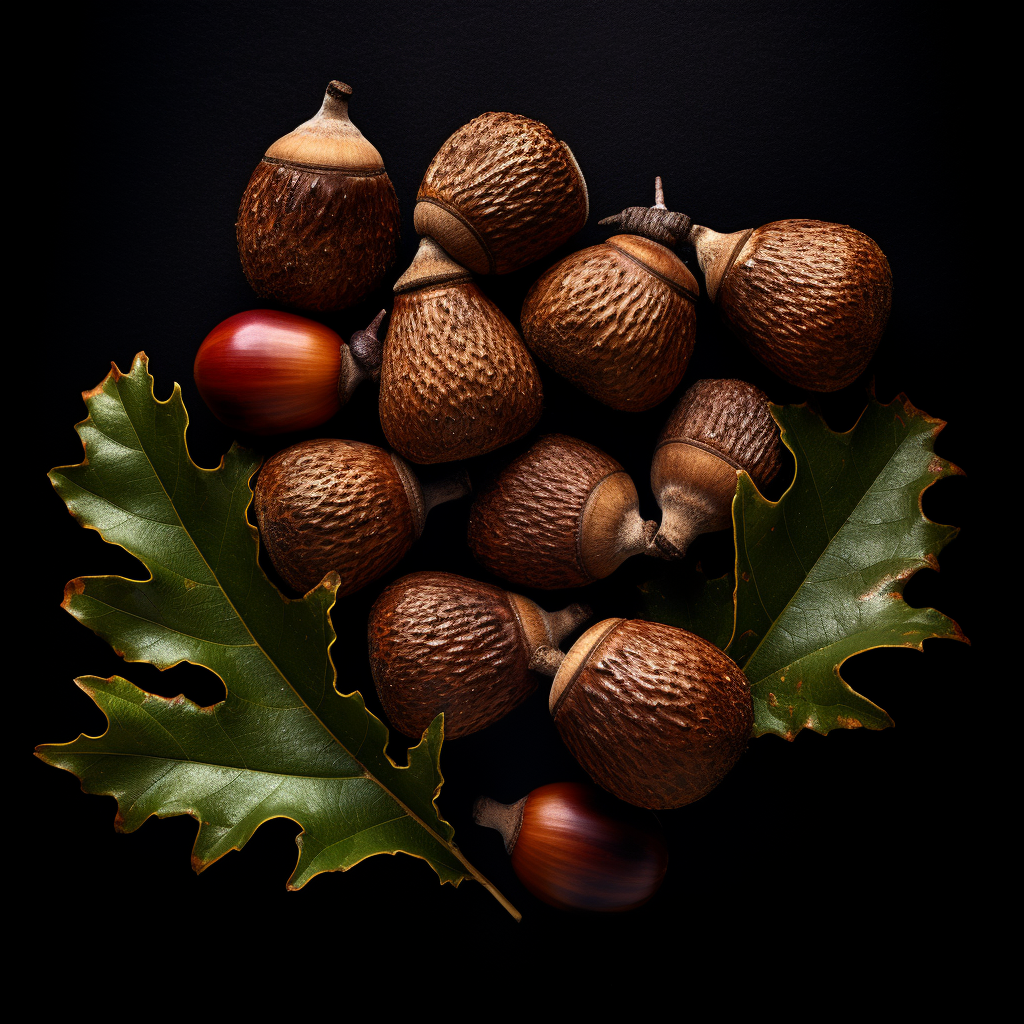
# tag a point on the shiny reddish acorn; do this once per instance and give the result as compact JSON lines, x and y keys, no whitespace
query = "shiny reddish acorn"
{"x":266,"y":372}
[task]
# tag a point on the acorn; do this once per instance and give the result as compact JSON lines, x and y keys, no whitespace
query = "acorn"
{"x":342,"y":506}
{"x":563,"y":514}
{"x":655,"y":714}
{"x":501,"y":193}
{"x":440,"y":642}
{"x":718,"y":428}
{"x":457,"y":380}
{"x":618,"y":320}
{"x":318,"y":223}
{"x":810,"y":299}
{"x":265,"y":372}
{"x":575,"y":848}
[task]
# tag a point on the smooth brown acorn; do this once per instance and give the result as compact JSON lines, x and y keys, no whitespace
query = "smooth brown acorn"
{"x":617,"y":320}
{"x":574,"y":847}
{"x":266,"y":372}
{"x":457,"y":380}
{"x":563,"y":514}
{"x":501,"y":193}
{"x":342,"y":506}
{"x":444,"y":643}
{"x":718,"y":428}
{"x":809,"y":298}
{"x":318,"y":223}
{"x":655,"y":714}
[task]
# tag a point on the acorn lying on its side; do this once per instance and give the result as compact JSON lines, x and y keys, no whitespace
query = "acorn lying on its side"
{"x":440,"y":642}
{"x":342,"y":506}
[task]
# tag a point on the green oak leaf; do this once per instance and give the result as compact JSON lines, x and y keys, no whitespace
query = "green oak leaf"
{"x":284,"y":742}
{"x":820,"y":573}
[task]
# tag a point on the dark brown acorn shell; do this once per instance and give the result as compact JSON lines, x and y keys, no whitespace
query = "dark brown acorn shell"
{"x":810,"y":299}
{"x":655,"y":714}
{"x":729,"y":418}
{"x":501,"y":193}
{"x":617,"y":320}
{"x":331,"y":505}
{"x":457,"y":380}
{"x":444,"y":643}
{"x":526,"y":527}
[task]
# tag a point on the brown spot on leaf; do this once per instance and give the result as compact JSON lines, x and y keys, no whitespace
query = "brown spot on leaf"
{"x":745,"y":577}
{"x":799,"y":683}
{"x":791,"y":710}
{"x":848,"y":723}
{"x":773,"y":701}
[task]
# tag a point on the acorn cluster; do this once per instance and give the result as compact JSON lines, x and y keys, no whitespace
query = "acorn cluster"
{"x":655,"y":714}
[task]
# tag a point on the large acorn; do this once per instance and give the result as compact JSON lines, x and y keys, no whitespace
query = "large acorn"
{"x":563,"y":514}
{"x":718,"y":428}
{"x":267,"y":372}
{"x":617,"y":320}
{"x":809,"y":298}
{"x":501,"y":193}
{"x":318,"y":224}
{"x":655,"y":714}
{"x":444,"y":643}
{"x":574,"y":847}
{"x":456,"y":380}
{"x":342,"y":506}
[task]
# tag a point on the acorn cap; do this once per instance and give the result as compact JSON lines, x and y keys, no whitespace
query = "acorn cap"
{"x":431,"y":265}
{"x":328,"y":140}
{"x":659,"y":260}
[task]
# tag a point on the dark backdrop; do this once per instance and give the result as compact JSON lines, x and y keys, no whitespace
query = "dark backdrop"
{"x":751,"y":112}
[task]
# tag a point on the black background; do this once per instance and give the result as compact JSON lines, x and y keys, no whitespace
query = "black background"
{"x":751,"y":113}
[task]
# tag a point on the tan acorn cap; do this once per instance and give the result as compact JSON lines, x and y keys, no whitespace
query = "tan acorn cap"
{"x":328,"y":139}
{"x":431,"y":265}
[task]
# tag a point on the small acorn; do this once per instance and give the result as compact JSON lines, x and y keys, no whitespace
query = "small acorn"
{"x":342,"y":506}
{"x":617,"y":320}
{"x":457,"y":380}
{"x":440,"y":642}
{"x":577,"y":849}
{"x":563,"y":514}
{"x":810,"y":299}
{"x":265,"y":372}
{"x":655,"y":714}
{"x":318,"y":223}
{"x":718,"y":428}
{"x":501,"y":193}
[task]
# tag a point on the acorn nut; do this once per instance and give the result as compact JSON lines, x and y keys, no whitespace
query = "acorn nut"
{"x":655,"y":714}
{"x":501,"y":193}
{"x":718,"y":428}
{"x":574,"y":847}
{"x":618,"y":320}
{"x":443,"y":643}
{"x":810,"y":299}
{"x":456,"y":379}
{"x":342,"y":506}
{"x":563,"y":514}
{"x":266,"y":372}
{"x":318,"y":222}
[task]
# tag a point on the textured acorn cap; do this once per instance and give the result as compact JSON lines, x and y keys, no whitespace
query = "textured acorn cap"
{"x":336,"y":506}
{"x":655,"y":714}
{"x":328,"y":139}
{"x":562,"y":514}
{"x":456,"y":380}
{"x":617,"y":320}
{"x":500,"y":193}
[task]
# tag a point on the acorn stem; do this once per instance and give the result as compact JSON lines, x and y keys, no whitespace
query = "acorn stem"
{"x":546,"y":660}
{"x":685,"y":515}
{"x":335,"y":105}
{"x":654,"y":222}
{"x":449,"y":487}
{"x":360,"y":359}
{"x":504,"y":818}
{"x":562,"y":623}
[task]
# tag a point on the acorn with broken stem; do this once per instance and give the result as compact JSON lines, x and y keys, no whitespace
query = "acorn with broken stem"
{"x":444,"y":643}
{"x":809,"y":298}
